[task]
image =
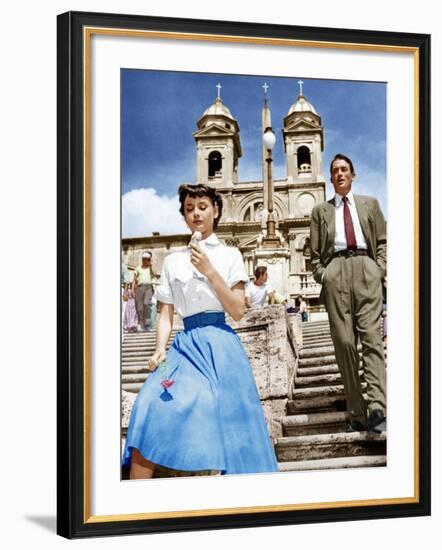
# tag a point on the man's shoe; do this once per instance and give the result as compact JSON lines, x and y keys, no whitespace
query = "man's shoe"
{"x":377,"y":422}
{"x":355,"y":426}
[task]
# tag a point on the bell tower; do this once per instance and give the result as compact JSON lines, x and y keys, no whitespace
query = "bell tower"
{"x":303,"y":142}
{"x":218,"y":146}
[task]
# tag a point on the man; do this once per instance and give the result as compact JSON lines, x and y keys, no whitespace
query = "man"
{"x":257,"y":292}
{"x":349,"y":254}
{"x":142,"y":289}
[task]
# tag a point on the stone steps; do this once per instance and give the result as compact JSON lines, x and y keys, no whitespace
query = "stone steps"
{"x":128,"y":355}
{"x":317,"y":361}
{"x":317,"y":335}
{"x":335,"y":445}
{"x":322,"y":334}
{"x":319,"y":380}
{"x":129,"y":369}
{"x":320,"y":403}
{"x":317,"y":371}
{"x":134,"y":378}
{"x":136,"y":349}
{"x":136,"y":360}
{"x":135,"y":364}
{"x":334,"y":463}
{"x":314,"y":435}
{"x":308,"y":353}
{"x":132,"y":387}
{"x":134,"y":343}
{"x":306,"y":424}
{"x":317,"y":344}
{"x":321,"y":391}
{"x":317,"y":331}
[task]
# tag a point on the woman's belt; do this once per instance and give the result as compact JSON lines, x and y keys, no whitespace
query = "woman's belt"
{"x":203,"y":319}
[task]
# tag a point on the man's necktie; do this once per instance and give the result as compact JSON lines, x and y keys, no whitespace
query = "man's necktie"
{"x":348,"y":225}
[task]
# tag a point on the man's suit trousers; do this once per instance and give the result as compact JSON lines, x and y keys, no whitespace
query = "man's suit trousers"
{"x":352,"y":291}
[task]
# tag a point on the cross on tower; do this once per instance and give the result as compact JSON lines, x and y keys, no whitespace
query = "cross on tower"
{"x":219,"y":89}
{"x":266,"y":87}
{"x":300,"y":82}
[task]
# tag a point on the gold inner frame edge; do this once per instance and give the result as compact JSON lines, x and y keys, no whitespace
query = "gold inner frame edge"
{"x":87,"y":34}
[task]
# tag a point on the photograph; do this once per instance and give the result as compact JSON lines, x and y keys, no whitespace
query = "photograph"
{"x":239,"y":195}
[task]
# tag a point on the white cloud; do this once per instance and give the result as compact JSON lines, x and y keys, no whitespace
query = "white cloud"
{"x":144,"y":211}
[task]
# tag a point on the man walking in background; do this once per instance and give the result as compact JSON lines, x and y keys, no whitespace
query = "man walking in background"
{"x":349,"y":252}
{"x":260,"y":290}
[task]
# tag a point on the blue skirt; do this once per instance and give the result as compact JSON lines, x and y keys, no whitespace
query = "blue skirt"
{"x":210,"y":418}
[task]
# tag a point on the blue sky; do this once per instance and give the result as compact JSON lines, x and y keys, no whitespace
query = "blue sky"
{"x":159,"y":114}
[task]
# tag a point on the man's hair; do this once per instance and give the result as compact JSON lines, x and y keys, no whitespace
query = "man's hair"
{"x":339,"y":156}
{"x":259,"y":271}
{"x":200,"y":190}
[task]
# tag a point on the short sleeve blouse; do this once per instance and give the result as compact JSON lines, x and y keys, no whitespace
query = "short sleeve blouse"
{"x":189,"y":290}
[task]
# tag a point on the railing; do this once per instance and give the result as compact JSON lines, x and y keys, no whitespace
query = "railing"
{"x":303,"y":283}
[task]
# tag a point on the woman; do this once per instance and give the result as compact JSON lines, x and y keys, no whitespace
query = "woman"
{"x":201,"y":411}
{"x":303,"y":309}
{"x":130,"y":318}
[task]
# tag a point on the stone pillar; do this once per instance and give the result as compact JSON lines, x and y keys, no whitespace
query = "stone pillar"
{"x":277,"y":261}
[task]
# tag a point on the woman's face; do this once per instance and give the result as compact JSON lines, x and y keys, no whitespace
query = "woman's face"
{"x":199,"y":214}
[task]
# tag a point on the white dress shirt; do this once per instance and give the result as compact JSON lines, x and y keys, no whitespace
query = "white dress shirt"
{"x":340,"y":240}
{"x":189,"y":290}
{"x":258,"y":293}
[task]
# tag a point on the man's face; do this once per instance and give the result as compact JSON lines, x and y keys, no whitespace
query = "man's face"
{"x":341,"y":177}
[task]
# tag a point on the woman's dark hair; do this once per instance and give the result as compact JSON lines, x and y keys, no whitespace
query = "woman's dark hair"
{"x":200,"y":190}
{"x":260,"y":270}
{"x":339,"y":156}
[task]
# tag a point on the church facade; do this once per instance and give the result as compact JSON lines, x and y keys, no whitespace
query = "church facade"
{"x":243,"y":223}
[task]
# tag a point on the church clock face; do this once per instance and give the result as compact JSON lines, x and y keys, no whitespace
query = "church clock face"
{"x":305,"y":203}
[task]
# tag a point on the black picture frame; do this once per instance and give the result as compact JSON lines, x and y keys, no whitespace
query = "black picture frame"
{"x":74,"y":519}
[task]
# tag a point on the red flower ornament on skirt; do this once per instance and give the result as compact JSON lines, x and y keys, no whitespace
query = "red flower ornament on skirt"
{"x":167,"y":383}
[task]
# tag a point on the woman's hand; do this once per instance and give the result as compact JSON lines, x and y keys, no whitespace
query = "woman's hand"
{"x":200,"y":260}
{"x":158,"y":357}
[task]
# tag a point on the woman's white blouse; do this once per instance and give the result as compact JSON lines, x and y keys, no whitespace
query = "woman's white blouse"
{"x":189,"y":290}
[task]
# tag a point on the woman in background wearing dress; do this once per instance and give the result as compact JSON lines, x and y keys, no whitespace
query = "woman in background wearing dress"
{"x":200,"y":410}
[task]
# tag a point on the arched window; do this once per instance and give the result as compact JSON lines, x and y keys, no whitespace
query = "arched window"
{"x":304,"y":159}
{"x":215,"y":163}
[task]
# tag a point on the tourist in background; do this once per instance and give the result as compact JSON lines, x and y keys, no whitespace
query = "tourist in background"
{"x":303,"y":309}
{"x":260,"y":290}
{"x":142,"y":289}
{"x":130,"y":318}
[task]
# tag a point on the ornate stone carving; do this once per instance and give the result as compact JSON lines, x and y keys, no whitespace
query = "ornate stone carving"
{"x":232,"y":241}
